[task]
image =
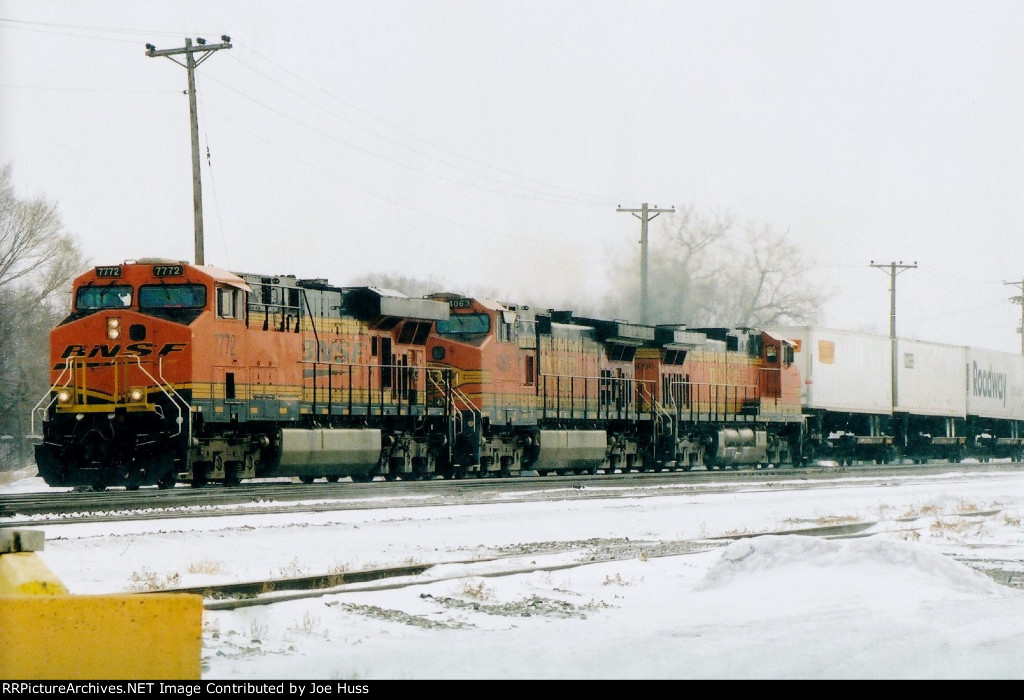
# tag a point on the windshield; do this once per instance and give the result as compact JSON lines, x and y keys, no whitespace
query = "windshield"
{"x":172,"y":296}
{"x":463,"y":324}
{"x":113,"y":297}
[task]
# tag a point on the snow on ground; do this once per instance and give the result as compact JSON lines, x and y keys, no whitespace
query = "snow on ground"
{"x":894,"y":599}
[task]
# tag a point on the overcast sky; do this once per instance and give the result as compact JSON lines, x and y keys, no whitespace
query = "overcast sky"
{"x":489,"y":143}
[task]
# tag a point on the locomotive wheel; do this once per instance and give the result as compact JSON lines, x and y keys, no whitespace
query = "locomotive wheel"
{"x":132,"y":480}
{"x":100,"y":480}
{"x":198,"y":475}
{"x":390,"y":476}
{"x":94,"y":453}
{"x":306,"y":479}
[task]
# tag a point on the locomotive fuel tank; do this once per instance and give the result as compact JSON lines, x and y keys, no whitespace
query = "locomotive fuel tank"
{"x":735,"y":446}
{"x":575,"y":450}
{"x":325,"y":452}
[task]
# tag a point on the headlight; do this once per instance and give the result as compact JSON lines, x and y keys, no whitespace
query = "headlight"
{"x":63,"y":396}
{"x":113,"y":328}
{"x":136,"y":395}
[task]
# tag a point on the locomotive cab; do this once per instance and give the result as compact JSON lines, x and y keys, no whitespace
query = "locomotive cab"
{"x":535,"y":390}
{"x":120,"y":365}
{"x":167,"y":372}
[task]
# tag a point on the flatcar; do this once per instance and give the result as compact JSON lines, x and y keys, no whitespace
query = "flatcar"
{"x":876,"y":399}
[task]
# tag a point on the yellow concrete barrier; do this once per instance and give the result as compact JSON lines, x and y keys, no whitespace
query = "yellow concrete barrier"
{"x":47,"y":634}
{"x":126,"y":637}
{"x":24,"y":573}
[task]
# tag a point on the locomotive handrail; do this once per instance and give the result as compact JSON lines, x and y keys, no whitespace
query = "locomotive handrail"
{"x":461,"y":395}
{"x":656,"y":408}
{"x":455,"y":420}
{"x":456,"y":417}
{"x":715,"y":397}
{"x":406,"y":380}
{"x":316,"y":339}
{"x":68,"y":362}
{"x":602,"y":401}
{"x":160,"y":372}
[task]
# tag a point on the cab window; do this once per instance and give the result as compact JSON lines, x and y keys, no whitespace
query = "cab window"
{"x":229,"y":303}
{"x":172,"y":296}
{"x":464,"y":324}
{"x":113,"y":297}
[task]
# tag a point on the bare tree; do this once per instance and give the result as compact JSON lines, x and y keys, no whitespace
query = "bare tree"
{"x":774,"y":285}
{"x":37,"y":262}
{"x":705,"y":270}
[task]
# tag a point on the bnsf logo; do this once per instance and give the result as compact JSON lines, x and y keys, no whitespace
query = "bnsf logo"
{"x":140,"y":349}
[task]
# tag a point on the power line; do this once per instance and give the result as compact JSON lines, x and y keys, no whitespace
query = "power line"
{"x":529,"y":193}
{"x":82,"y":31}
{"x":595,"y":199}
{"x":394,"y":161}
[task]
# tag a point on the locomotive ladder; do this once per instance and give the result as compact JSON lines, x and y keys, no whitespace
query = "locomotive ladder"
{"x":49,"y":398}
{"x":453,"y":393}
{"x":657,"y":409}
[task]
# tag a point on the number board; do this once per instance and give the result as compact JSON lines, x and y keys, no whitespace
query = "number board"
{"x":109,"y":271}
{"x":460,"y":303}
{"x":168,"y":270}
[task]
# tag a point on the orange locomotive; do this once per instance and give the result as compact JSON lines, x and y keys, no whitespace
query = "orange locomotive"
{"x":166,"y":372}
{"x":549,"y":392}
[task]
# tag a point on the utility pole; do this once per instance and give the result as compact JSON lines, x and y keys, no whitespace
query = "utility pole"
{"x":894,"y":269}
{"x":644,"y":213}
{"x":190,"y":64}
{"x":1019,"y":300}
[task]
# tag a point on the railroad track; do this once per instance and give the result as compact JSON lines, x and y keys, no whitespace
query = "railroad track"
{"x":56,"y":507}
{"x":544,"y":558}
